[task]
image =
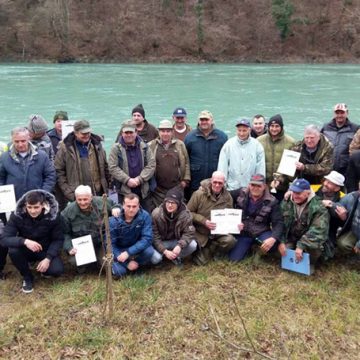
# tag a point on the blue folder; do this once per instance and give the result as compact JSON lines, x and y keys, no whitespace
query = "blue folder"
{"x":289,"y":262}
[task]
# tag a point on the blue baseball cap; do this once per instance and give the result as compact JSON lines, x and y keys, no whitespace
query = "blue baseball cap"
{"x":180,"y":112}
{"x":244,"y":122}
{"x":299,"y":185}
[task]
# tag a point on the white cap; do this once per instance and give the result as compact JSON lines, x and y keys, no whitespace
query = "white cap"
{"x":336,"y":178}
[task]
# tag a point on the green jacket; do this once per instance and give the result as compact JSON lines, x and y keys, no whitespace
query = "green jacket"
{"x":77,"y":223}
{"x":120,"y":173}
{"x":273,"y":153}
{"x":311,"y":227}
{"x":316,"y":167}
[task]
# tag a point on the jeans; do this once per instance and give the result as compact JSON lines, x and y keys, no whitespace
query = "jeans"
{"x":143,"y":258}
{"x":170,"y":244}
{"x":21,"y":257}
{"x":243,"y":245}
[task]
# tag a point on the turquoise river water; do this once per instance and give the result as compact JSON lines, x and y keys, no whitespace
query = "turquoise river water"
{"x":104,"y":94}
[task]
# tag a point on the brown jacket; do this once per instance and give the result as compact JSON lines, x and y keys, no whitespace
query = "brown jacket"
{"x":68,"y":168}
{"x":201,"y":203}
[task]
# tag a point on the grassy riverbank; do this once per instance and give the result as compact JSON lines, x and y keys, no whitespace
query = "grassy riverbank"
{"x":169,"y":313}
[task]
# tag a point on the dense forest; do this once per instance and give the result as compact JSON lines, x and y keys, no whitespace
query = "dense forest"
{"x":180,"y":30}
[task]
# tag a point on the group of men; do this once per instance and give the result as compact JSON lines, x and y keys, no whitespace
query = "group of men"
{"x":167,"y":181}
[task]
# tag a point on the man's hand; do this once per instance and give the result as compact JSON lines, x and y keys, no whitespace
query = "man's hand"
{"x":282,"y":249}
{"x":123,"y":256}
{"x":133,"y":182}
{"x":341,"y":212}
{"x":267,"y":244}
{"x":298,"y":254}
{"x":356,"y":250}
{"x":43,"y":265}
{"x":72,"y":252}
{"x":170,"y":255}
{"x":115,"y":212}
{"x":299,"y":166}
{"x":241,"y":227}
{"x":32,"y":245}
{"x":183,"y":184}
{"x":210,"y":225}
{"x":327,"y":203}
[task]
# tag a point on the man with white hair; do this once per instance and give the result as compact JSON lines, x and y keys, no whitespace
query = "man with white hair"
{"x":211,"y":195}
{"x":84,"y":216}
{"x":316,"y":159}
{"x":24,"y":166}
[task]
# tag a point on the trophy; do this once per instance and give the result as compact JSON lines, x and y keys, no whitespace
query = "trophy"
{"x":273,"y":184}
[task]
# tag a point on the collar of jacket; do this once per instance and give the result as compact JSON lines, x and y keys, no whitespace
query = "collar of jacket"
{"x":243,"y":142}
{"x":32,"y":152}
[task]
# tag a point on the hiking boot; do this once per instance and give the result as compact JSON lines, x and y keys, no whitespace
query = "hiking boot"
{"x":178,"y":262}
{"x":27,"y":286}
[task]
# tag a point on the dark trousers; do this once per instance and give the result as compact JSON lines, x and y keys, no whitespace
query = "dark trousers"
{"x":3,"y":250}
{"x":244,"y":243}
{"x":21,"y":257}
{"x":3,"y":254}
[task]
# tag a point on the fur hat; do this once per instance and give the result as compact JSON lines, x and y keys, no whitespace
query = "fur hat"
{"x":37,"y":124}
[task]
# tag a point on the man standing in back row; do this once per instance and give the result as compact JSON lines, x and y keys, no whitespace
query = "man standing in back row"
{"x":340,"y":132}
{"x":241,"y":157}
{"x":181,"y":128}
{"x":203,"y":145}
{"x":81,"y":160}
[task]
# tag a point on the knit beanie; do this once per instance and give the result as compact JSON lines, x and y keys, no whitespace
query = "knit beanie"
{"x":37,"y":124}
{"x":276,"y":119}
{"x":139,"y":109}
{"x":174,"y":194}
{"x":62,"y":115}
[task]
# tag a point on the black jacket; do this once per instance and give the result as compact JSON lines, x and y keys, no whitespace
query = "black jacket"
{"x":352,"y":176}
{"x":267,"y":217}
{"x":45,"y":229}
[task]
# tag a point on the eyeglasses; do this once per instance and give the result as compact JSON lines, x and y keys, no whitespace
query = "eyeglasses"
{"x":170,"y":202}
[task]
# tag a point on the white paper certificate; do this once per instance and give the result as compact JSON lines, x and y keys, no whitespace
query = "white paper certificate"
{"x":85,"y":252}
{"x":7,"y":198}
{"x":227,"y":221}
{"x":67,"y":127}
{"x":287,"y":162}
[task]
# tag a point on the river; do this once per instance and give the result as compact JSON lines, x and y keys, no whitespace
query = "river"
{"x":104,"y":94}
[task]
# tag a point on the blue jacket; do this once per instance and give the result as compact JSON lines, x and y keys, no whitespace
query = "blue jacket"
{"x":352,"y":204}
{"x":134,"y":237}
{"x":341,"y":139}
{"x":203,"y":154}
{"x":37,"y":172}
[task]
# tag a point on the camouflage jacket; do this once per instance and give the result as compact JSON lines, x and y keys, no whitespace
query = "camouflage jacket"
{"x":310,"y":227}
{"x":317,"y":164}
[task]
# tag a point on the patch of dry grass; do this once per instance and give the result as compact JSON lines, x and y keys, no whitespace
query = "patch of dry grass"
{"x":165,"y":314}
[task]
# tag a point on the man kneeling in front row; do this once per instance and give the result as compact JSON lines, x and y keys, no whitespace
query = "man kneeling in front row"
{"x":306,"y":222}
{"x":131,"y":237}
{"x":34,"y":233}
{"x":174,"y":232}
